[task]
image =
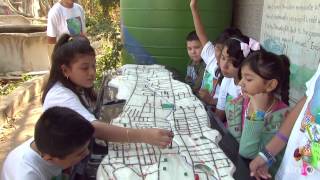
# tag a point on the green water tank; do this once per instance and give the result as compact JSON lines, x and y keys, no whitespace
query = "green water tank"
{"x":154,"y":31}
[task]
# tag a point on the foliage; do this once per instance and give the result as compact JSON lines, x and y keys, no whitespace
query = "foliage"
{"x":8,"y":86}
{"x":103,"y":25}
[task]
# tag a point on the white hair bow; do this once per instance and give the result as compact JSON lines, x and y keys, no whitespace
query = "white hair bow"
{"x":253,"y":45}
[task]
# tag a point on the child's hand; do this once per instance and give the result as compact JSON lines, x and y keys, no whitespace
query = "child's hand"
{"x":259,"y":169}
{"x":157,"y":137}
{"x":206,"y":97}
{"x":204,"y":94}
{"x":193,"y":3}
{"x":260,"y":101}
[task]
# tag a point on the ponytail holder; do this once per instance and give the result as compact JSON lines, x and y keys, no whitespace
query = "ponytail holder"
{"x":253,"y":45}
{"x":70,"y":38}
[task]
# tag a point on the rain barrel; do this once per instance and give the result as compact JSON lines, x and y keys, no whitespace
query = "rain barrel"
{"x":154,"y":31}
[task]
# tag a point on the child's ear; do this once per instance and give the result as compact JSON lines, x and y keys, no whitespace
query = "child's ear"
{"x":64,"y":70}
{"x":46,"y":157}
{"x":271,"y":85}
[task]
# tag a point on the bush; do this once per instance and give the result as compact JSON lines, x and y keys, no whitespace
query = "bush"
{"x":103,"y":25}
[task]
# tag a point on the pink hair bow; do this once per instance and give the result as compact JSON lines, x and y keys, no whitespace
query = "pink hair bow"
{"x":253,"y":45}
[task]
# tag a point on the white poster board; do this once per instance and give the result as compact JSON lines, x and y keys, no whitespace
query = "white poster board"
{"x":292,"y":27}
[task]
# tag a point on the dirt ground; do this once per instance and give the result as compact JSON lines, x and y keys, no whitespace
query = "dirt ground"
{"x":20,"y":128}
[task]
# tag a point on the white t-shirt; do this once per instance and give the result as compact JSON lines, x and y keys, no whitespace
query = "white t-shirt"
{"x":298,"y":169}
{"x":63,"y":20}
{"x":228,"y":87}
{"x":61,"y":96}
{"x":209,"y":57}
{"x":23,"y":163}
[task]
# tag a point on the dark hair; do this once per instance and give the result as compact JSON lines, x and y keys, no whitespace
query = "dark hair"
{"x":225,"y":35}
{"x":234,"y":49}
{"x":60,"y":131}
{"x":192,"y":36}
{"x":271,"y":66}
{"x":65,"y":52}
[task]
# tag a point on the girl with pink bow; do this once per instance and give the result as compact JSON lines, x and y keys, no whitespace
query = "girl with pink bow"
{"x":229,"y":103}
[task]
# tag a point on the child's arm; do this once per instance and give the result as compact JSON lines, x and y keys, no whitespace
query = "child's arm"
{"x":249,"y":145}
{"x":198,"y":81}
{"x":258,"y":165}
{"x":153,"y":136}
{"x":197,"y":23}
{"x":251,"y":137}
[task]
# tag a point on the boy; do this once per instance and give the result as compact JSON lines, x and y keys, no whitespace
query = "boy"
{"x":61,"y":140}
{"x":65,"y":16}
{"x":196,"y":66}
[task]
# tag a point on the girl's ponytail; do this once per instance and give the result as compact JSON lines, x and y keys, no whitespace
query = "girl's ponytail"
{"x":284,"y":91}
{"x":62,"y":40}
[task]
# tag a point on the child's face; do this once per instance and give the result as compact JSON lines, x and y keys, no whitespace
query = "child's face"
{"x":82,"y":72}
{"x":194,"y":50}
{"x":251,"y":83}
{"x":68,"y":1}
{"x":73,"y":158}
{"x":226,"y":66}
{"x":218,"y":49}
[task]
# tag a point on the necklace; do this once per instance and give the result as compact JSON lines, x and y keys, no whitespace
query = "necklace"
{"x":269,"y":110}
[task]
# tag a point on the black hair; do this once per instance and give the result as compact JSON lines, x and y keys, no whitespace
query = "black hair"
{"x":65,"y":52}
{"x":271,"y":66}
{"x":234,"y":49}
{"x":226,"y":34}
{"x":222,"y":38}
{"x":61,"y":131}
{"x":192,"y":36}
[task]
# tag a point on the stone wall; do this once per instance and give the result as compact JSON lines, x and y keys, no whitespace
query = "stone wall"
{"x":23,"y":52}
{"x":247,"y":17}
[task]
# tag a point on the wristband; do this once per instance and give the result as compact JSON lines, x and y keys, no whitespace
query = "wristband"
{"x":263,"y":157}
{"x":270,"y":159}
{"x":282,"y":137}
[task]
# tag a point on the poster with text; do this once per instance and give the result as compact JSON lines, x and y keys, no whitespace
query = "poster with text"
{"x":292,"y":27}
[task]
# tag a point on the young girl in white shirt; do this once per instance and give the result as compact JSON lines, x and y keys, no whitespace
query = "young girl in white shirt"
{"x":235,"y":50}
{"x":70,"y":84}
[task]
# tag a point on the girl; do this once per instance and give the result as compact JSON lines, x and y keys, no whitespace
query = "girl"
{"x":265,"y":87}
{"x":70,"y":85}
{"x":229,"y":104}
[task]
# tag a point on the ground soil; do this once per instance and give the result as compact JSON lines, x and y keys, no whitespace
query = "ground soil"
{"x":20,"y":128}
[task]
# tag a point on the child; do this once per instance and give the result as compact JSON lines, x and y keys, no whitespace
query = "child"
{"x":235,"y":50}
{"x":265,"y":87}
{"x":196,"y":66}
{"x":65,"y":16}
{"x":70,"y":85}
{"x":61,"y":139}
{"x":211,"y":55}
{"x":301,"y":158}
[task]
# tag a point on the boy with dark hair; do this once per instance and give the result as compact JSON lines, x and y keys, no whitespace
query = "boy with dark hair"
{"x":196,"y":66}
{"x":61,"y":140}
